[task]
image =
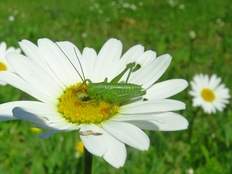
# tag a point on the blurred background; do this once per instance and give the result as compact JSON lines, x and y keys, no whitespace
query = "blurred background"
{"x":197,"y":34}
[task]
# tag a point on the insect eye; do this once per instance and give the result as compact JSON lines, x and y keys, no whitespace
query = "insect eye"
{"x":83,"y":97}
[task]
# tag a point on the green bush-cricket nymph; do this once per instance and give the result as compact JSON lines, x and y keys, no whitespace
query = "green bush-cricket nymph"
{"x":114,"y":91}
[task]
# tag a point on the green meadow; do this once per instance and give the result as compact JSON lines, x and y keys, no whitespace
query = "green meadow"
{"x":197,"y":34}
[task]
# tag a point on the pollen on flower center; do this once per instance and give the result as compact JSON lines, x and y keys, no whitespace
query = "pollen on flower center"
{"x":3,"y":67}
{"x":208,"y":95}
{"x":78,"y":107}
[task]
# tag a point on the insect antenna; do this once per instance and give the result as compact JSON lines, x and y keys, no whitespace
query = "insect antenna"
{"x":82,"y":71}
{"x":83,"y":79}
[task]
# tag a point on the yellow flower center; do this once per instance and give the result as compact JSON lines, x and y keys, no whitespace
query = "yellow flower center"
{"x":3,"y":67}
{"x":208,"y":95}
{"x":78,"y":107}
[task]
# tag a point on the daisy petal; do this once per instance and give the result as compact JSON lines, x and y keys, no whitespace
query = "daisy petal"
{"x":3,"y":83}
{"x":23,"y":114}
{"x":152,"y":106}
{"x":95,"y":144}
{"x":151,"y":73}
{"x":16,"y":81}
{"x":43,"y":116}
{"x":145,"y":125}
{"x":58,"y":62}
{"x":132,"y":55}
{"x":6,"y":110}
{"x":73,"y":55}
{"x":166,"y":121}
{"x":116,"y":152}
{"x":109,"y":54}
{"x":140,"y":117}
{"x":33,"y":52}
{"x":214,"y":81}
{"x":3,"y":48}
{"x":89,"y":57}
{"x":166,"y":89}
{"x":146,"y":58}
{"x":128,"y":134}
{"x":172,"y":122}
{"x":32,"y":74}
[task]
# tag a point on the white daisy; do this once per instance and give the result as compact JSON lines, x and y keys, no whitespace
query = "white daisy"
{"x":208,"y":93}
{"x":49,"y":72}
{"x":3,"y":63}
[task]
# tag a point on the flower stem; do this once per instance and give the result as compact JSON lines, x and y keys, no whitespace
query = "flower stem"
{"x":191,"y":124}
{"x":88,"y":162}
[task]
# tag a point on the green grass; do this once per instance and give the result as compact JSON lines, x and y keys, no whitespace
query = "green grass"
{"x":205,"y":146}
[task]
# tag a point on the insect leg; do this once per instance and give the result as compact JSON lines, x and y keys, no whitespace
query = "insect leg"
{"x":111,"y":106}
{"x":119,"y":76}
{"x":130,"y":70}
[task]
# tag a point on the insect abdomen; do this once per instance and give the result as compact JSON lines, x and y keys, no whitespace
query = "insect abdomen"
{"x":115,"y":92}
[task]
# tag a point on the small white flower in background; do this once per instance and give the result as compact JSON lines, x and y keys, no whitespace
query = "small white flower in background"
{"x":113,"y":3}
{"x":23,"y":15}
{"x":11,"y":18}
{"x":220,"y":22}
{"x":15,"y":12}
{"x":140,"y":3}
{"x":100,"y":11}
{"x":125,"y":5}
{"x":51,"y":73}
{"x":133,"y":7}
{"x":192,"y":34}
{"x":190,"y":171}
{"x":208,"y":93}
{"x":84,"y":34}
{"x":181,"y":6}
{"x":4,"y":66}
{"x":172,"y":3}
{"x":213,"y":135}
{"x":96,"y":5}
{"x":46,"y":7}
{"x":91,"y":8}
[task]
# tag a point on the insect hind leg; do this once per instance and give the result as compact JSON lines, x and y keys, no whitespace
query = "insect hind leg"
{"x":110,"y":112}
